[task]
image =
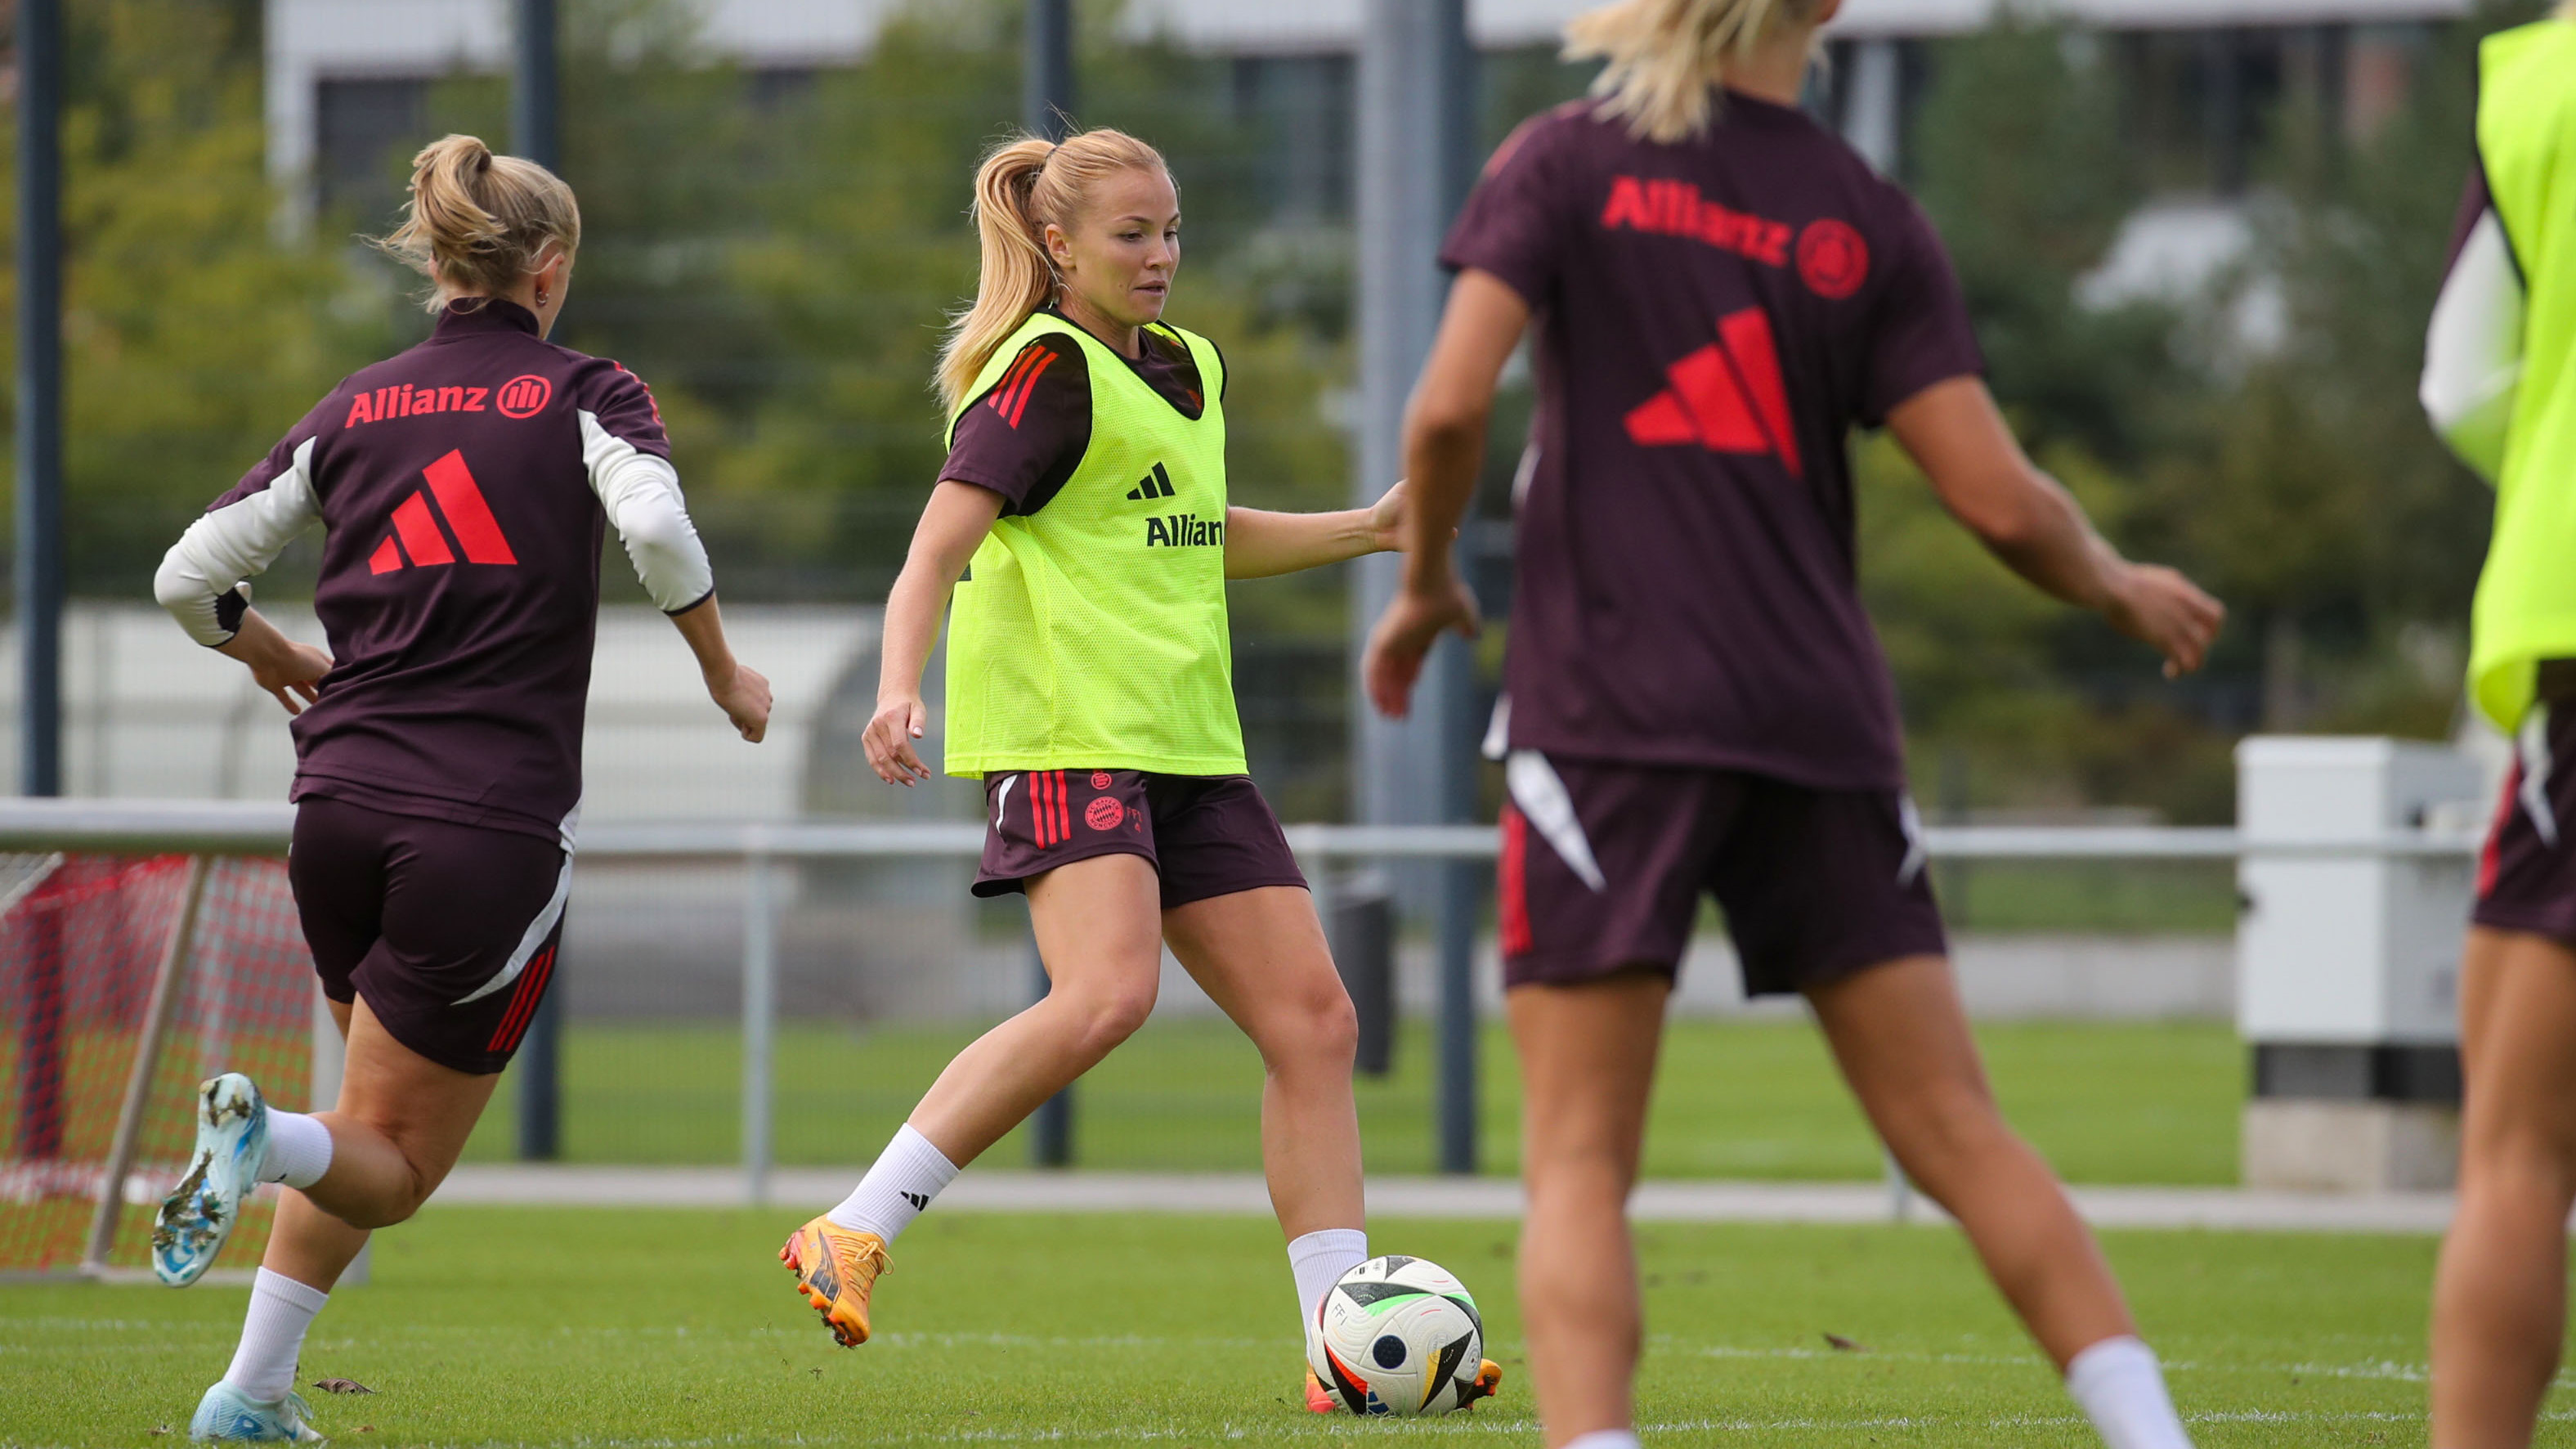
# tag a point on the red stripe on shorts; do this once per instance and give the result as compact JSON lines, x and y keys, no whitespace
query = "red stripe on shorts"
{"x":1511,"y":883}
{"x":523,"y":1003}
{"x":2491,"y":859}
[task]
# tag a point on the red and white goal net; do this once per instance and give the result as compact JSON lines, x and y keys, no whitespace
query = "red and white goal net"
{"x":82,"y":940}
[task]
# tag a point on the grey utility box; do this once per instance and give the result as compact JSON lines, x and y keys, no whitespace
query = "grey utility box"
{"x":2348,"y":964}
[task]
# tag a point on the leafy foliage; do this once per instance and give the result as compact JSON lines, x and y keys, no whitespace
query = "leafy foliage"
{"x":192,"y":335}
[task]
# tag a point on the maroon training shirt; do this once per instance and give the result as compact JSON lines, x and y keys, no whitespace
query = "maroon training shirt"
{"x":1029,"y":455}
{"x":460,"y":574}
{"x":1711,"y":319}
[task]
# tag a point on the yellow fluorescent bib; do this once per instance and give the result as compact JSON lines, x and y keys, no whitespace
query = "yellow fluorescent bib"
{"x":1092,"y":633}
{"x":2526,"y":600}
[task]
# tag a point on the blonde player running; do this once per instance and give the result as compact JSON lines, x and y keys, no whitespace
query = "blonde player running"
{"x":466,"y":485}
{"x":1090,"y":688}
{"x":1720,"y":289}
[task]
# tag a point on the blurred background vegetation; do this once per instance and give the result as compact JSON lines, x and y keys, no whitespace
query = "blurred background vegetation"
{"x":776,"y":256}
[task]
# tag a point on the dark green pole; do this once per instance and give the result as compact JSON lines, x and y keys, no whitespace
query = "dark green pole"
{"x":1046,"y":99}
{"x":536,"y":135}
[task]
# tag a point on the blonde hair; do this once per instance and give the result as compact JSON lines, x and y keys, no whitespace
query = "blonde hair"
{"x":1664,"y":55}
{"x":1021,"y":188}
{"x":476,"y":223}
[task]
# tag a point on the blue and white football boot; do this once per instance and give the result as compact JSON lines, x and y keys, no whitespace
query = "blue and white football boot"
{"x":226,"y":1415}
{"x":198,"y":1215}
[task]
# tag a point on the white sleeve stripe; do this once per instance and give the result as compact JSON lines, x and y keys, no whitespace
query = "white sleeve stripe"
{"x":641,"y":493}
{"x":233,"y":543}
{"x":2473,"y":348}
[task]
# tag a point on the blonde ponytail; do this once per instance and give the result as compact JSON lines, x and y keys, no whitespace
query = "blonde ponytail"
{"x":476,"y":223}
{"x":1022,"y":187}
{"x":1664,"y":56}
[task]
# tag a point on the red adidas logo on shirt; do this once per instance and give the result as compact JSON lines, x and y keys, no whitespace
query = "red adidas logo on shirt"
{"x":1727,"y":397}
{"x":415,"y":523}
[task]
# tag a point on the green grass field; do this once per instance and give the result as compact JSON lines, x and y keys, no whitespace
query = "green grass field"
{"x":2108,"y":1102}
{"x":508,"y":1326}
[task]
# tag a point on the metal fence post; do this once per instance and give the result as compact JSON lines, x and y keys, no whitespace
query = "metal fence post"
{"x":1456,"y":913}
{"x":40,"y":398}
{"x":535,"y":81}
{"x":759,"y":1021}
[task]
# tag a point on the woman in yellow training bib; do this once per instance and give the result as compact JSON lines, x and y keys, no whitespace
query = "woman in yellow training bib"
{"x":2500,"y":384}
{"x":1090,"y":687}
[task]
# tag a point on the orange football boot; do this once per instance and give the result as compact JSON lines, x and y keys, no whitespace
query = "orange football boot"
{"x":835,"y":1267}
{"x":1489,"y":1382}
{"x":1318,"y":1401}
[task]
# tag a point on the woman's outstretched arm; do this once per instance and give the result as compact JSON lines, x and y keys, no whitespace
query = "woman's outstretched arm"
{"x":952,"y":525}
{"x":1260,"y":544}
{"x":2028,"y":520}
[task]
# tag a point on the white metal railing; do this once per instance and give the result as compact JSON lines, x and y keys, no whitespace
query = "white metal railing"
{"x":218,"y":827}
{"x":155,"y":827}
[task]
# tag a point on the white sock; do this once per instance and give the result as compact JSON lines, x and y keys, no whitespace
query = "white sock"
{"x":1319,"y":1259}
{"x":907,"y":1175}
{"x":1605,"y":1439}
{"x":299,"y":1150}
{"x":2122,"y":1390}
{"x":273,"y":1335}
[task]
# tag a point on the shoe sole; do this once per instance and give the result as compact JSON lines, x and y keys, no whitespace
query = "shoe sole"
{"x":196,"y":1219}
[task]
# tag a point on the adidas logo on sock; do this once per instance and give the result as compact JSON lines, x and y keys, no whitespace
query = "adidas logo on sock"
{"x":918,"y":1200}
{"x":1157,"y":484}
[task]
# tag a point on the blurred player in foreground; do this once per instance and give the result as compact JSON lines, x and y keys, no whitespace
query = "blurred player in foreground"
{"x":1090,"y":688}
{"x":464,"y":486}
{"x":2500,"y":385}
{"x":1721,"y":290}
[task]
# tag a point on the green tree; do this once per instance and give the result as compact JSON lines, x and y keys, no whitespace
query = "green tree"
{"x":2320,"y":503}
{"x":193,"y":337}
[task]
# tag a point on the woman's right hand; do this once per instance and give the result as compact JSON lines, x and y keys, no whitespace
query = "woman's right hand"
{"x":2165,"y":611}
{"x":899,"y":720}
{"x":742,"y":692}
{"x":293,"y":673}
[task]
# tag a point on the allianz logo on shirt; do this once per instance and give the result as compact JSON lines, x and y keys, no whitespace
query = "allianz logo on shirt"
{"x":1174,"y":530}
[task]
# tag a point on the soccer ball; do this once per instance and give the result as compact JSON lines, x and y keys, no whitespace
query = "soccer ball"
{"x":1397,"y":1335}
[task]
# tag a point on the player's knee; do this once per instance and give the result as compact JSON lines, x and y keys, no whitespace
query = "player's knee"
{"x":1109,"y":1015}
{"x":1950,"y":1124}
{"x":1322,"y":1031}
{"x":2518,"y":1155}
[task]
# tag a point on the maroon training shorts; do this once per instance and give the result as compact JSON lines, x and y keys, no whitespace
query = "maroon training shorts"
{"x":449,"y":931}
{"x":1603,"y":865}
{"x":2527,"y":877}
{"x":1205,"y":835}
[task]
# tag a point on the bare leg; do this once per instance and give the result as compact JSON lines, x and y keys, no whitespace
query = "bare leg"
{"x":1587,"y":1068}
{"x":2499,"y":1296}
{"x":1260,"y":954}
{"x":1902,"y":1040}
{"x":1099,"y":927}
{"x":400,"y":1123}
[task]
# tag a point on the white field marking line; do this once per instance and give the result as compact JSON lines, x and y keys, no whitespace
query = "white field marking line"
{"x":1339,"y":1425}
{"x":2374,"y":1369}
{"x":2380,"y":1369}
{"x":1342,"y":1425}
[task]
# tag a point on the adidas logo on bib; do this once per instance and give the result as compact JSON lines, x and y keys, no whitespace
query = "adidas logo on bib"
{"x":1157,"y":484}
